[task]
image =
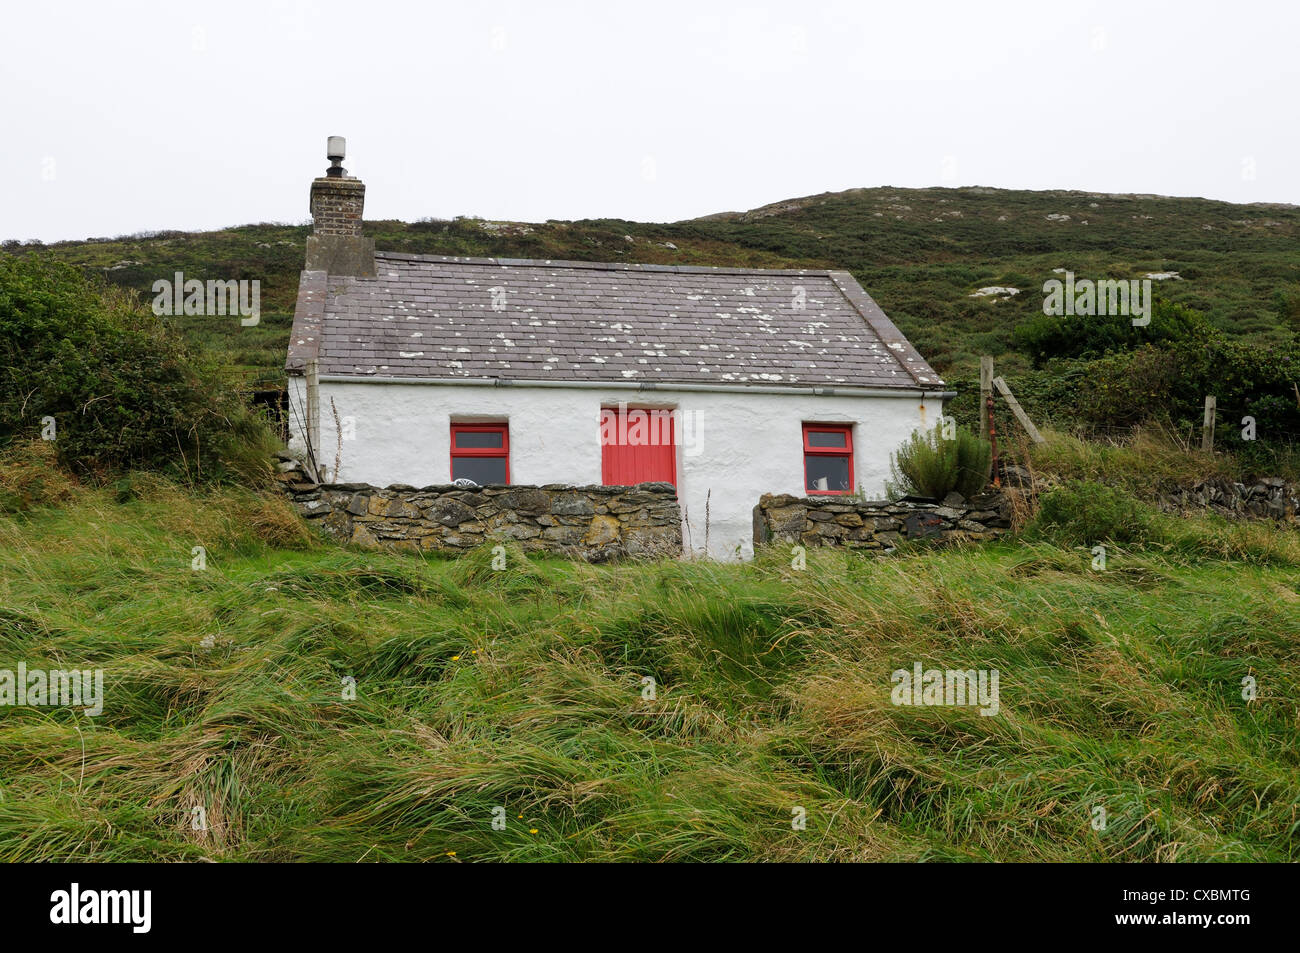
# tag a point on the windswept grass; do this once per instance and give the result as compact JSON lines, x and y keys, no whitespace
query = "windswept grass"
{"x":1149,"y":461}
{"x":522,"y":694}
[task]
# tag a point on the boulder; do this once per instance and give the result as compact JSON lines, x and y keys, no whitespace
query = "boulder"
{"x":528,"y":501}
{"x":572,"y":504}
{"x":602,"y":531}
{"x":449,"y":512}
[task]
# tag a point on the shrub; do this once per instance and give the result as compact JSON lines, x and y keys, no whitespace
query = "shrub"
{"x":1046,"y":337}
{"x":1172,"y":383}
{"x":931,"y":466}
{"x":1126,"y":389}
{"x":1082,"y":512}
{"x":123,"y":390}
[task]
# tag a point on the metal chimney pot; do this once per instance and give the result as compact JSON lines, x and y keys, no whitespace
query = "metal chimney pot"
{"x":335,"y":149}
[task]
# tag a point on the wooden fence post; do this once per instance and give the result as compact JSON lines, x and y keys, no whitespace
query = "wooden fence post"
{"x":1016,"y":409}
{"x":986,"y":392}
{"x":1207,"y":427}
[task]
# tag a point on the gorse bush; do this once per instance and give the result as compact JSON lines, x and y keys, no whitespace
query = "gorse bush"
{"x":932,"y":466}
{"x":1122,"y":390}
{"x":122,"y":391}
{"x":1082,"y":512}
{"x":1172,"y":383}
{"x":1045,"y":337}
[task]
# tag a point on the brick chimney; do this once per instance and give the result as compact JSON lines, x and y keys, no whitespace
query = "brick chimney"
{"x":337,"y":203}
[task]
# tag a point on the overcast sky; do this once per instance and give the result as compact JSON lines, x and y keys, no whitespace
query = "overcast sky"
{"x":124,"y":117}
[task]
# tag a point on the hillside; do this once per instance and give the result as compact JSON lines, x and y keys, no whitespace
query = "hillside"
{"x":269,"y":695}
{"x":920,"y":252}
{"x":226,"y":732}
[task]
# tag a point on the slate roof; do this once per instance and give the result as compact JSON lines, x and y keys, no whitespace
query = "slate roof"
{"x":431,"y":317}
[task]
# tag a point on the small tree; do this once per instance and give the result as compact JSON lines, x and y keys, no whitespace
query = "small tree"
{"x":86,"y":366}
{"x":929,"y":465}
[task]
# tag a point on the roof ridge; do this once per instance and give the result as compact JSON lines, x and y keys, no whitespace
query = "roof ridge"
{"x":598,"y":265}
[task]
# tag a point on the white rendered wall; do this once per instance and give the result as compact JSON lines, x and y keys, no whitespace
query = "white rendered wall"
{"x":736,"y":446}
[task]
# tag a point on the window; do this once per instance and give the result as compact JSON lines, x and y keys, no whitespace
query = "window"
{"x":827,"y":459}
{"x":480,"y":452}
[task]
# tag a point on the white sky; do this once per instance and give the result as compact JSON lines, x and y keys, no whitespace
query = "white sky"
{"x":122,"y":117}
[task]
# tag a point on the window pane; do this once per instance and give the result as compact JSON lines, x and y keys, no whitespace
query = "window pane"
{"x":821,"y":438}
{"x":826,"y":473}
{"x":475,"y":438}
{"x":482,"y":470}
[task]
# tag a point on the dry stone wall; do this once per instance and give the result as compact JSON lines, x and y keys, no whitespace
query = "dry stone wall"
{"x":594,"y":523}
{"x":1267,"y":498}
{"x":599,"y":523}
{"x":880,"y":524}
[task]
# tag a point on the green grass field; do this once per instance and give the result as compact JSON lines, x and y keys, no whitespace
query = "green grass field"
{"x":520,"y":692}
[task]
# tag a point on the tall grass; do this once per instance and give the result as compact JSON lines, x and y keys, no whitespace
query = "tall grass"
{"x":1150,"y":460}
{"x":520,"y":694}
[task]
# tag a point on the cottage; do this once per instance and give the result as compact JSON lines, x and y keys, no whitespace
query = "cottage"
{"x":725,"y":383}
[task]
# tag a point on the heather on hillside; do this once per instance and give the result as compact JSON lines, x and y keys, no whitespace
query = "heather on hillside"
{"x":1227,"y":290}
{"x":921,"y":253}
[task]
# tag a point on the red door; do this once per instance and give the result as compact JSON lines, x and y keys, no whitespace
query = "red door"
{"x":637,"y":446}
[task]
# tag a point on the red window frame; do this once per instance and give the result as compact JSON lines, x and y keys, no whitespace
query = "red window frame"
{"x":844,"y":451}
{"x":501,"y":451}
